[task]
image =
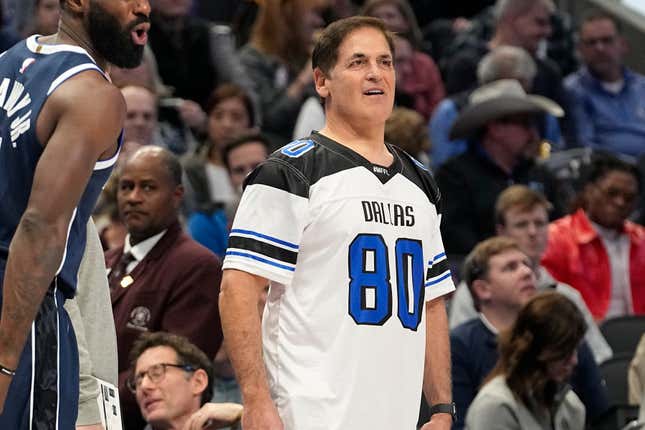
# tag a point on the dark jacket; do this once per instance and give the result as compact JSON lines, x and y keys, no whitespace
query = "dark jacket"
{"x":175,"y":289}
{"x":470,"y":184}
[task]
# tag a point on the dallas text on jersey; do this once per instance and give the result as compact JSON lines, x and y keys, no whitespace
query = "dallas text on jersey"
{"x":388,"y":213}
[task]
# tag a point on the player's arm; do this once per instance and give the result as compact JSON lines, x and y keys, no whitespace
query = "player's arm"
{"x":81,"y":121}
{"x":436,"y":374}
{"x":240,"y":295}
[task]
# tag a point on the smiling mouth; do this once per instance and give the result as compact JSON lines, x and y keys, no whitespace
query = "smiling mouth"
{"x":374,"y":93}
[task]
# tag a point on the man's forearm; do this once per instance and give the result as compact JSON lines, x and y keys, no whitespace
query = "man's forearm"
{"x":436,"y":375}
{"x":34,"y":256}
{"x":242,"y":331}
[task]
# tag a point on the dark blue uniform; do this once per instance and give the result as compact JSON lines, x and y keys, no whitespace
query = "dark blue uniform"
{"x":44,"y":392}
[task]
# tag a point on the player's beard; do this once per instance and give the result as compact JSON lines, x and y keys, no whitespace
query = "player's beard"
{"x":112,"y":41}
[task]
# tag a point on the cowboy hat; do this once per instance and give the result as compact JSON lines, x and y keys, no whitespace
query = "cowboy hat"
{"x":499,"y":99}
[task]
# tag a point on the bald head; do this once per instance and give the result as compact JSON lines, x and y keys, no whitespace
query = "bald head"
{"x":156,"y":154}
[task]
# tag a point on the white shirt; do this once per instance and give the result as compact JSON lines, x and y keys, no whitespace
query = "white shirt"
{"x":141,"y":249}
{"x":617,"y":247}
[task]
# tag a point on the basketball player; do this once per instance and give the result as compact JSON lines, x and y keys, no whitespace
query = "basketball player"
{"x":345,"y":230}
{"x":60,"y":125}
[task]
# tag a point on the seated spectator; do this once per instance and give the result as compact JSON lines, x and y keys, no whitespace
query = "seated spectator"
{"x":279,"y":63}
{"x":406,"y":129}
{"x":417,"y":75}
{"x":230,"y":114}
{"x":160,"y":280}
{"x":172,"y":380}
{"x":528,"y":387}
{"x":499,"y":123}
{"x":141,"y":124}
{"x":596,"y":249}
{"x":636,"y":375}
{"x":37,"y":17}
{"x":522,"y":23}
{"x":502,"y":62}
{"x":210,"y":225}
{"x":608,"y":98}
{"x":501,"y":281}
{"x":523,"y":214}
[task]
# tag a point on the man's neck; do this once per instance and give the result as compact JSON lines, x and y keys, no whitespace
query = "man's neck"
{"x":367,"y":140}
{"x":503,"y":37}
{"x":500,"y":318}
{"x":609,"y":76}
{"x":175,"y":424}
{"x":72,"y":33}
{"x":505,"y":161}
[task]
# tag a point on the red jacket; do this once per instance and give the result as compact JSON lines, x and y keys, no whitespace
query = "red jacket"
{"x":576,"y":256}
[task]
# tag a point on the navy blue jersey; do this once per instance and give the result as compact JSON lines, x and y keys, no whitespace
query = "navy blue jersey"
{"x":29,"y":73}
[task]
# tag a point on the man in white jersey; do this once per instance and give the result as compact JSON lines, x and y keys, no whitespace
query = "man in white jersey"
{"x":345,"y":230}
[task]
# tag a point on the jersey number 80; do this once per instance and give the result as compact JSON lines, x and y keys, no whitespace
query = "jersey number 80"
{"x":370,"y":291}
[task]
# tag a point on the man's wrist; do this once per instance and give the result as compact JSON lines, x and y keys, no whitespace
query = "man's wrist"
{"x":447,"y":410}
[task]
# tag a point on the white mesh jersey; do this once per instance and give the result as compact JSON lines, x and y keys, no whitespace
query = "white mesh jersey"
{"x":352,"y":251}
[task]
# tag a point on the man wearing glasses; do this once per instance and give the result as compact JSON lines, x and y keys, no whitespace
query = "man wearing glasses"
{"x":595,"y":249}
{"x":608,"y":99}
{"x":172,"y":380}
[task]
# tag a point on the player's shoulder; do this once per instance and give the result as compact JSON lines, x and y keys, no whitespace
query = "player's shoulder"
{"x":300,"y":164}
{"x":418,"y":174}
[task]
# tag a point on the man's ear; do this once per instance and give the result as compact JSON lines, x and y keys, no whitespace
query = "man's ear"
{"x":482,"y":288}
{"x":76,"y":7}
{"x":199,"y":381}
{"x":320,"y":80}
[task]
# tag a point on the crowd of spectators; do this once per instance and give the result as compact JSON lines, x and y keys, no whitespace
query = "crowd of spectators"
{"x":489,"y":95}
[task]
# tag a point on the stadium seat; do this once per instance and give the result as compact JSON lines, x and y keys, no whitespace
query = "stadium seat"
{"x":623,"y":333}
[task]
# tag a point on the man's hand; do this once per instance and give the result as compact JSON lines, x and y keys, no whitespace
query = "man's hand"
{"x":261,"y":416}
{"x":214,"y":416}
{"x":438,"y":422}
{"x":91,"y":427}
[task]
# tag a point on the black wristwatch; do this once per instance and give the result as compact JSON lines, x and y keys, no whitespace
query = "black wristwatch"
{"x":445,"y":408}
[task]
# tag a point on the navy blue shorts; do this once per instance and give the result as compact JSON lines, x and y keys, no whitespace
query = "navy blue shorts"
{"x":43,"y":394}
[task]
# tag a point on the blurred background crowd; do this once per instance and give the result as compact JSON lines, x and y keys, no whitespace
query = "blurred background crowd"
{"x":226,"y":82}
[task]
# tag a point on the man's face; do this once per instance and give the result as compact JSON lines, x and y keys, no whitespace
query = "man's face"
{"x":403,"y":60}
{"x":611,"y":199}
{"x":532,"y":27}
{"x":175,"y":396}
{"x":529,"y":228}
{"x":227,"y":120}
{"x":360,"y":87}
{"x":47,"y":15}
{"x":118,"y":30}
{"x":601,"y":47}
{"x":172,"y":8}
{"x":243,"y":159}
{"x":141,"y":117}
{"x":147,"y":198}
{"x":517,"y":135}
{"x":510,"y":282}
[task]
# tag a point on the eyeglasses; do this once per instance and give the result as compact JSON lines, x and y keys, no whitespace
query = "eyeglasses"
{"x":156,"y":373}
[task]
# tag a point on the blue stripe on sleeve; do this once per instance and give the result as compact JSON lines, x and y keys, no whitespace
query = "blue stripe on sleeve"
{"x":260,"y":259}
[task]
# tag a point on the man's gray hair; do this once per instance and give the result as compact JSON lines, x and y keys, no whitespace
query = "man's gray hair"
{"x":507,"y":62}
{"x":513,"y":8}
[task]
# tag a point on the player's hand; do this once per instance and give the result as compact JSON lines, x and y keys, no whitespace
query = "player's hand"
{"x":214,"y":416}
{"x":438,"y":422}
{"x":261,"y":416}
{"x":91,"y":427}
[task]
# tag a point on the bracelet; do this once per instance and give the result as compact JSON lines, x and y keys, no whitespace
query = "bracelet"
{"x":7,"y":372}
